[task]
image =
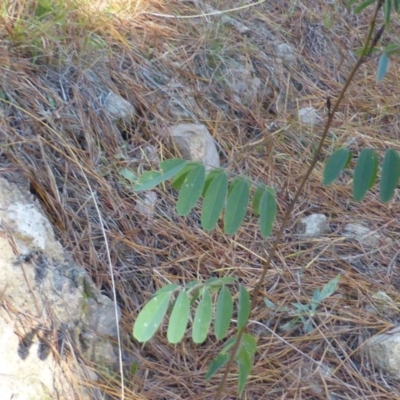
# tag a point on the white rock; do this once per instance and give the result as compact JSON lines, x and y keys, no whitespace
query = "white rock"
{"x":384,"y":351}
{"x":195,"y":143}
{"x":309,"y":116}
{"x":313,"y":225}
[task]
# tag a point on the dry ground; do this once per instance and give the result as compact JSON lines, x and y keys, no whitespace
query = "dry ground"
{"x":54,"y":134}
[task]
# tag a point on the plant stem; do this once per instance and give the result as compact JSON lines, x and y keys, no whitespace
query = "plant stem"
{"x":287,"y":215}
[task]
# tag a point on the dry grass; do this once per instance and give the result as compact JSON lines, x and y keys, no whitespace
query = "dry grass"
{"x":54,"y":135}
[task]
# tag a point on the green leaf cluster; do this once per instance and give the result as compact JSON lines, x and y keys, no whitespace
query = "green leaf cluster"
{"x":365,"y":172}
{"x":304,"y":313}
{"x":198,"y":296}
{"x":218,"y":194}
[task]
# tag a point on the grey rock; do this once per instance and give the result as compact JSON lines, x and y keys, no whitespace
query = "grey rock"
{"x":309,"y":116}
{"x":363,"y":234}
{"x":286,"y":53}
{"x":118,"y":108}
{"x":102,"y":317}
{"x":313,"y":225}
{"x":384,"y":351}
{"x":146,"y":205}
{"x":195,"y":143}
{"x":40,"y":282}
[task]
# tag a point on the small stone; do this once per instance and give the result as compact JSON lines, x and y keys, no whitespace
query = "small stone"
{"x":147,"y":205}
{"x":363,"y":234}
{"x":118,"y":108}
{"x":384,"y":351}
{"x":309,"y":116}
{"x":286,"y":53}
{"x":313,"y":225}
{"x":195,"y":143}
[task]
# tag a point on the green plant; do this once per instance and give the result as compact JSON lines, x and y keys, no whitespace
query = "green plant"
{"x":305,"y":313}
{"x":231,"y":197}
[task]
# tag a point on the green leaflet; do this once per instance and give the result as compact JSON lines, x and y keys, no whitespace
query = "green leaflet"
{"x":361,"y":7}
{"x":387,"y":9}
{"x":149,"y":180}
{"x":243,"y":307}
{"x":171,"y":287}
{"x":191,"y":190}
{"x":223,"y":314}
{"x":179,"y":318}
{"x":151,"y":316}
{"x":390,"y":175}
{"x":364,"y":173}
{"x":128,"y":174}
{"x":202,"y":319}
{"x":209,"y":178}
{"x":214,"y":201}
{"x":392,"y":49}
{"x":181,"y":176}
{"x":267,"y":211}
{"x":257,"y":198}
{"x":134,"y":367}
{"x":320,"y":295}
{"x":214,"y":281}
{"x":244,"y":359}
{"x":236,"y":206}
{"x":219,"y":361}
{"x":383,"y":66}
{"x":249,"y":342}
{"x":339,"y":160}
{"x":172,"y":166}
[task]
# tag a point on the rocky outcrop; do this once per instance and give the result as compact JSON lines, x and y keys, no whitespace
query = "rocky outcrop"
{"x":50,"y":307}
